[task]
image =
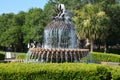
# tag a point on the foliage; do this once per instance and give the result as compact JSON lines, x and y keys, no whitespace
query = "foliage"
{"x":94,"y":19}
{"x":97,"y":56}
{"x":33,"y":28}
{"x":12,"y":35}
{"x":2,"y":55}
{"x":17,"y":30}
{"x":114,"y":32}
{"x":21,"y":56}
{"x":5,"y":23}
{"x":49,"y":12}
{"x":91,"y":22}
{"x":18,"y":56}
{"x":115,"y":71}
{"x":61,"y":71}
{"x":53,"y":71}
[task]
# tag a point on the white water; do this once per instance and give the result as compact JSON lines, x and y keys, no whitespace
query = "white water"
{"x":52,"y":56}
{"x":42,"y":56}
{"x":60,"y":34}
{"x":60,"y":37}
{"x":47,"y":56}
{"x":56,"y":56}
{"x":66,"y":56}
{"x":61,"y":55}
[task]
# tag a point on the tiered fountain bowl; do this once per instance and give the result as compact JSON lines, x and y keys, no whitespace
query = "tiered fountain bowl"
{"x":57,"y":55}
{"x":59,"y":43}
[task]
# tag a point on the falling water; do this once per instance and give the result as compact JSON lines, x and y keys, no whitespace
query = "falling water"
{"x":71,"y":56}
{"x":47,"y":56}
{"x":59,"y":42}
{"x":90,"y":58}
{"x":56,"y":56}
{"x":75,"y":58}
{"x":39,"y":55}
{"x":52,"y":56}
{"x":42,"y":56}
{"x":61,"y":55}
{"x":78,"y":55}
{"x":63,"y":36}
{"x":28,"y":56}
{"x":66,"y":56}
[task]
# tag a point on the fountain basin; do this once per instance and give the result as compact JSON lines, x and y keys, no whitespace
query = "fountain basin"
{"x":57,"y":55}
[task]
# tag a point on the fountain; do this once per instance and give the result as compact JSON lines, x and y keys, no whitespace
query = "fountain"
{"x":60,"y":41}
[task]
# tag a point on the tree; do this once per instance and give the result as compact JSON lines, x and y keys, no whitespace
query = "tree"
{"x":33,"y":28}
{"x":19,"y":22}
{"x":5,"y":24}
{"x":48,"y":12}
{"x":91,"y":23}
{"x":113,"y":12}
{"x":13,"y":34}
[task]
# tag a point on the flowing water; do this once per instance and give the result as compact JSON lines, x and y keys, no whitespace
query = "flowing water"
{"x":59,"y":43}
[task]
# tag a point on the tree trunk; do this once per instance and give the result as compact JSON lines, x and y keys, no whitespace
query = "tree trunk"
{"x":91,"y":47}
{"x":105,"y":48}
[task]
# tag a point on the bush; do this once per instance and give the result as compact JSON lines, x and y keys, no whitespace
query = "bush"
{"x":53,"y":71}
{"x":115,"y":71}
{"x":105,"y":57}
{"x":21,"y":56}
{"x":2,"y":55}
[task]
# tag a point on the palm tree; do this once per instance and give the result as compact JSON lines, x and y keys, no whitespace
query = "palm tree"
{"x":90,"y":21}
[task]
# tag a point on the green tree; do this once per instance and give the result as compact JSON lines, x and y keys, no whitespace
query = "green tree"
{"x":49,"y":12}
{"x":19,"y":22}
{"x":13,"y":34}
{"x":33,"y":28}
{"x":91,"y":23}
{"x":5,"y":24}
{"x":113,"y":12}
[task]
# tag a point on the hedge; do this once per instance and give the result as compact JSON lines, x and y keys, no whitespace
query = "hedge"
{"x":13,"y":54}
{"x":21,"y":56}
{"x":2,"y":55}
{"x":115,"y":71}
{"x":97,"y":56}
{"x":55,"y":71}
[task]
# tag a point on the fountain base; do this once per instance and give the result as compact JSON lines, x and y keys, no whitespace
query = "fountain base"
{"x":56,"y":55}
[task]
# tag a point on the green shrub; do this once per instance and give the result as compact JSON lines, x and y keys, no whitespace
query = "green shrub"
{"x":115,"y":71}
{"x":2,"y":55}
{"x":21,"y":56}
{"x":13,"y":54}
{"x":53,"y":71}
{"x":97,"y":56}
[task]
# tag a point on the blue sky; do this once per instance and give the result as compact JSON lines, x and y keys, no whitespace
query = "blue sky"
{"x":15,"y":6}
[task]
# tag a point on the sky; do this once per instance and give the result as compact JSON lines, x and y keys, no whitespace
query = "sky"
{"x":15,"y":6}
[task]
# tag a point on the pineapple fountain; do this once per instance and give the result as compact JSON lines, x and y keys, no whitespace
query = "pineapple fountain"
{"x":60,"y":41}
